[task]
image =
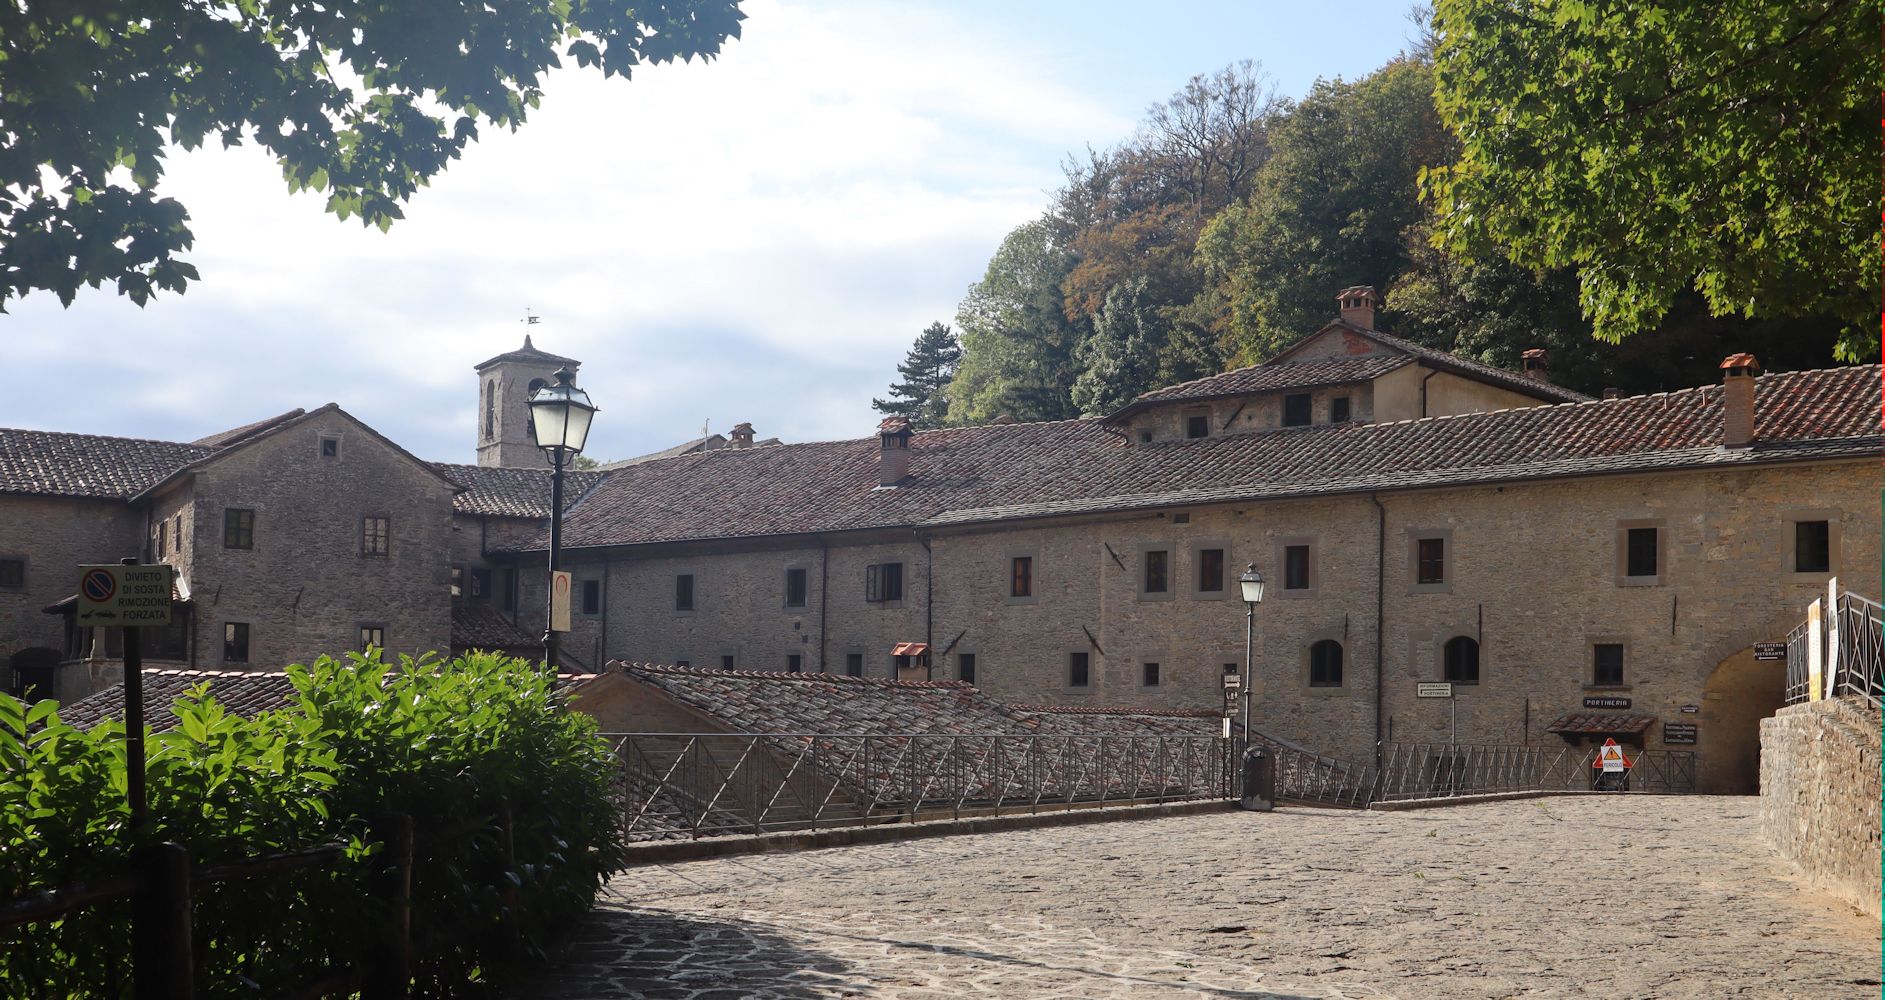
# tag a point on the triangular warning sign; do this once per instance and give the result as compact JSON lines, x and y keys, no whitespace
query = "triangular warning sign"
{"x":1610,"y":758}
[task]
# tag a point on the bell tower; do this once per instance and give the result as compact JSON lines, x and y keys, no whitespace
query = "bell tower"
{"x":504,"y":387}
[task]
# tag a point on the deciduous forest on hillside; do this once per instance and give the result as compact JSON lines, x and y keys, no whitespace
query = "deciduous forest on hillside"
{"x":1640,"y":191}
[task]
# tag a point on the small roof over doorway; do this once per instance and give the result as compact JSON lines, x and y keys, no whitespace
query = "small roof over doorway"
{"x":909,"y":649}
{"x":1601,"y":724}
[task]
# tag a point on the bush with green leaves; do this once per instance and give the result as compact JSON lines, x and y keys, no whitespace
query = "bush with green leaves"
{"x":469,"y":748}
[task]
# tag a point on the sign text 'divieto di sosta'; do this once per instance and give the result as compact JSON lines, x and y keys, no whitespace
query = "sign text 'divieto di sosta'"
{"x":124,"y":596}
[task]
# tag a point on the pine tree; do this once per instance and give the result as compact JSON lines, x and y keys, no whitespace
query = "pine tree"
{"x":927,"y":370}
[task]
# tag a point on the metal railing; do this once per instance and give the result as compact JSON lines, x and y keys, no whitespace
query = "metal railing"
{"x":676,"y":786}
{"x":1850,"y":643}
{"x":1441,"y":770}
{"x":1312,"y":779}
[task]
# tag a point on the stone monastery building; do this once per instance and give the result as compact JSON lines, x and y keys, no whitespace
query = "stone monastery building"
{"x":1578,"y":568}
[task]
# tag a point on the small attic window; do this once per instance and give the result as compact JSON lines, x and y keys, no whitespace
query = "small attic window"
{"x":1197,"y":425}
{"x":330,"y":446}
{"x":1338,"y":410}
{"x":1296,"y":410}
{"x":1145,"y":437}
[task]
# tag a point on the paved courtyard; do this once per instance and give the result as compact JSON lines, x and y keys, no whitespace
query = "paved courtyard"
{"x":1625,"y":897}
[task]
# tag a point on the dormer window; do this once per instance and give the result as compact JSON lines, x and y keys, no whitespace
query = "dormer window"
{"x":1145,"y":437}
{"x":1338,"y":410}
{"x":1197,"y":425}
{"x":1296,"y":410}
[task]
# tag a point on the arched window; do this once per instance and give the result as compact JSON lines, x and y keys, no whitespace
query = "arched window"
{"x":1325,"y":664}
{"x":1462,"y":660}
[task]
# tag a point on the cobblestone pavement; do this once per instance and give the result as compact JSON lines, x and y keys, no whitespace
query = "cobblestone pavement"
{"x":1625,"y":897}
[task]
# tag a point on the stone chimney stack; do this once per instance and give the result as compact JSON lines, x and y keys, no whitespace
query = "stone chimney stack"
{"x":1613,"y":393}
{"x":1537,"y":365}
{"x":1737,"y":400}
{"x":1357,"y":303}
{"x":741,"y":436}
{"x":893,"y":451}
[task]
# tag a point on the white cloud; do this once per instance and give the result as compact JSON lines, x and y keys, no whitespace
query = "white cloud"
{"x":758,"y":238}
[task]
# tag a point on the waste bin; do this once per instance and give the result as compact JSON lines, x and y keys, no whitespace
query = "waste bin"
{"x":1257,"y":781}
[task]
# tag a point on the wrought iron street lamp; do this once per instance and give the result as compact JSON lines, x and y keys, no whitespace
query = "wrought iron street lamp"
{"x":559,"y":419}
{"x":1252,"y":584}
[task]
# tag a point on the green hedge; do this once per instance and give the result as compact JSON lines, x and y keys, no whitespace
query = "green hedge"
{"x":445,"y":742}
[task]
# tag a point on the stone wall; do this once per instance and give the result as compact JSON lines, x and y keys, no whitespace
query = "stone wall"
{"x":1820,"y":795}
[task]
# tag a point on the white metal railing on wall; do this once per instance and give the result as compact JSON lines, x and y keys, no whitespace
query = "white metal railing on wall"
{"x":675,"y":786}
{"x":1837,"y":650}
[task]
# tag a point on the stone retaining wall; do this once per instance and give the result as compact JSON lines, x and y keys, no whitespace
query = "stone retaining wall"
{"x":1820,"y":795}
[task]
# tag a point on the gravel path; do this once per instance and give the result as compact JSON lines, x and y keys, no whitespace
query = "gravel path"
{"x":1624,"y":897}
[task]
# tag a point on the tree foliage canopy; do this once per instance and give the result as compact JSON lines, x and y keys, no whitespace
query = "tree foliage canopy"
{"x":365,"y":101}
{"x":1726,"y":147}
{"x":927,"y":371}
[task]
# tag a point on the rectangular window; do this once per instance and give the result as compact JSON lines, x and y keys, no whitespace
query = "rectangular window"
{"x":12,"y":574}
{"x":458,"y":581}
{"x":163,"y":538}
{"x":1296,"y":567}
{"x":1079,"y":673}
{"x":1156,"y":563}
{"x":883,"y":582}
{"x":330,"y":447}
{"x":794,"y":663}
{"x":372,"y":637}
{"x":1296,"y":410}
{"x":1607,"y":664}
{"x":683,"y":663}
{"x":592,"y":597}
{"x":1148,"y":674}
{"x":1338,"y":410}
{"x":376,"y":536}
{"x":684,"y":592}
{"x":481,"y":583}
{"x":1197,"y":426}
{"x":1021,"y":577}
{"x":794,"y":588}
{"x":238,"y":528}
{"x":1211,"y":570}
{"x":1640,"y":557}
{"x":235,"y":642}
{"x":1812,"y":547}
{"x":726,"y":663}
{"x":507,"y":596}
{"x":965,"y":667}
{"x":854,"y":664}
{"x":1431,"y":560}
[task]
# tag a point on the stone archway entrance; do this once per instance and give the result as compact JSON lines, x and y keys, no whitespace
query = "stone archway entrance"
{"x":1739,"y":694}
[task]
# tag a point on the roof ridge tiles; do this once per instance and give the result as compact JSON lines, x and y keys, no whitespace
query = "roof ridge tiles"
{"x":782,"y":675}
{"x":106,"y":437}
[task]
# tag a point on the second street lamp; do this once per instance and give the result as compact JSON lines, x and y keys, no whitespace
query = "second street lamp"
{"x":1252,"y":585}
{"x":560,"y":415}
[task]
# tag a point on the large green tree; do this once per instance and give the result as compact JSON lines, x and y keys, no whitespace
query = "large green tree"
{"x":1729,"y":147}
{"x":927,"y":371}
{"x":1329,"y":209}
{"x":363,"y":100}
{"x":1017,"y":342}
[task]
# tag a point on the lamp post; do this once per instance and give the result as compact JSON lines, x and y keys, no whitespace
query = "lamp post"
{"x":559,"y":419}
{"x":1252,"y":584}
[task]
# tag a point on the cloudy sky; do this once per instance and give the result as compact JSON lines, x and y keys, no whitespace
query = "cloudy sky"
{"x":758,"y":238}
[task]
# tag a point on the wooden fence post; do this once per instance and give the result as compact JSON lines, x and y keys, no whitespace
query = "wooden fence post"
{"x":389,"y":968}
{"x":162,"y":962}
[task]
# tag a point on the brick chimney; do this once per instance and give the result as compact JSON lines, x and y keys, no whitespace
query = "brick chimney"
{"x":741,"y":436}
{"x":1537,"y":365}
{"x":1737,"y":400}
{"x":893,"y":451}
{"x":1357,"y":303}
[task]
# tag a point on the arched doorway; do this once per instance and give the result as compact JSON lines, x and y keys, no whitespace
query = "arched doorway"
{"x":1739,"y":694}
{"x":34,"y":670}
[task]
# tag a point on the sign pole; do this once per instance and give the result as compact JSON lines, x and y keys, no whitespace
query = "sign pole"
{"x":134,"y":720}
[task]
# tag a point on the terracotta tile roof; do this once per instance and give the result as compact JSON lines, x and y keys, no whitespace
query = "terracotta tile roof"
{"x":1009,"y":471}
{"x":1434,"y":358}
{"x":1127,"y":721}
{"x":1601,"y":724}
{"x":229,"y":437}
{"x":478,"y":625}
{"x":500,"y":492}
{"x":757,"y":701}
{"x":51,"y":463}
{"x":529,"y":353}
{"x":242,"y":692}
{"x":1273,"y":378}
